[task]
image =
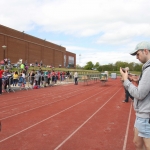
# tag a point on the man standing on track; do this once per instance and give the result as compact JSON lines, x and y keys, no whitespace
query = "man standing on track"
{"x":141,"y":95}
{"x":76,"y":78}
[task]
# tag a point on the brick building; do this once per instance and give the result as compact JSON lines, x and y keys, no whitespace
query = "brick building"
{"x":29,"y":48}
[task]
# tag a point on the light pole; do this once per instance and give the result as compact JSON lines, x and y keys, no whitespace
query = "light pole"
{"x":79,"y":59}
{"x":4,"y":47}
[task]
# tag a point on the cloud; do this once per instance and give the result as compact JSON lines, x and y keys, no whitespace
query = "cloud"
{"x":85,"y":55}
{"x":105,"y":58}
{"x":124,"y":33}
{"x":79,"y":17}
{"x":101,"y":30}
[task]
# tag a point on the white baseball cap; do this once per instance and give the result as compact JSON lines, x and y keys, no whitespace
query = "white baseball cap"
{"x":140,"y":46}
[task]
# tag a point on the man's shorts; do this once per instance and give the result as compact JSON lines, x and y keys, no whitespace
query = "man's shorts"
{"x":143,"y":127}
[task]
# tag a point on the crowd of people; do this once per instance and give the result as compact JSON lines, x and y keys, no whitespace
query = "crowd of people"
{"x":47,"y":77}
{"x":36,"y":78}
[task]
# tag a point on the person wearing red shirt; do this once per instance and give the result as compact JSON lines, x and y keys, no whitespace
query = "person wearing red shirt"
{"x":1,"y":72}
{"x":53,"y":76}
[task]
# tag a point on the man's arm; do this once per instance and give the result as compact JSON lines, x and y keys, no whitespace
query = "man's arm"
{"x":143,"y":88}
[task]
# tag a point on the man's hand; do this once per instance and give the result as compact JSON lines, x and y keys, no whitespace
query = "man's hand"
{"x":124,"y":74}
{"x":135,"y":78}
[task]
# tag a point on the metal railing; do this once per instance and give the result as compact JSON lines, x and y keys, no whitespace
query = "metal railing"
{"x":44,"y":81}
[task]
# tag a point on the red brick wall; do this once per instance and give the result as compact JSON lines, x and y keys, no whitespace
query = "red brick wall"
{"x":23,"y":46}
{"x":15,"y":49}
{"x":1,"y":44}
{"x":47,"y":55}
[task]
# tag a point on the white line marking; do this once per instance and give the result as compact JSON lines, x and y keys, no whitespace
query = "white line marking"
{"x":42,"y":105}
{"x":127,"y":129}
{"x":47,"y":118}
{"x":38,"y":97}
{"x":85,"y":122}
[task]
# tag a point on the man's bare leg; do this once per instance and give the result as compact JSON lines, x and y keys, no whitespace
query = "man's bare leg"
{"x":138,"y":141}
{"x":147,"y":143}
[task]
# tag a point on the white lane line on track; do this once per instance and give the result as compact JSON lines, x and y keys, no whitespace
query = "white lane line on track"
{"x":48,"y":118}
{"x":19,"y":97}
{"x":127,"y":129}
{"x":41,"y":106}
{"x":40,"y":95}
{"x":36,"y":99}
{"x":85,"y":121}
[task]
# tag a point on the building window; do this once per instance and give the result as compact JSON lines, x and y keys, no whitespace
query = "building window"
{"x":70,"y":61}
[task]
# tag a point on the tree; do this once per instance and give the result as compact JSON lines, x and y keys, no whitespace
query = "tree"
{"x":121,"y":64}
{"x":113,"y":67}
{"x":138,"y":67}
{"x":78,"y":67}
{"x":96,"y":66}
{"x":89,"y":65}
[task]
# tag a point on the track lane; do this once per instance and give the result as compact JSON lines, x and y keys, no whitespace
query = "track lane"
{"x":37,"y":94}
{"x":46,"y":112}
{"x":105,"y":130}
{"x":7,"y":114}
{"x":47,"y":99}
{"x":42,"y":139}
{"x":105,"y":95}
{"x":82,"y":125}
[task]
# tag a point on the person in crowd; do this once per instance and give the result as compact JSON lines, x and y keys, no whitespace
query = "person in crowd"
{"x":45,"y":78}
{"x":141,"y":94}
{"x":56,"y":77}
{"x":36,"y":78}
{"x":22,"y":66}
{"x":49,"y":77}
{"x":53,"y":76}
{"x":67,"y":75}
{"x":7,"y":76}
{"x":23,"y":74}
{"x":4,"y":81}
{"x":70,"y":75}
{"x":21,"y":82}
{"x":61,"y":76}
{"x":9,"y":62}
{"x":26,"y":68}
{"x":40,"y":73}
{"x":76,"y":78}
{"x":6,"y":61}
{"x":41,"y":82}
{"x":1,"y":73}
{"x":31,"y":76}
{"x":15,"y":78}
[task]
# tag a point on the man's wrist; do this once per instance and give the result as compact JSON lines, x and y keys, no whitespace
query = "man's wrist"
{"x":125,"y":79}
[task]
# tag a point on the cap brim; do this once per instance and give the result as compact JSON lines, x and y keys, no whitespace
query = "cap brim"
{"x":133,"y":53}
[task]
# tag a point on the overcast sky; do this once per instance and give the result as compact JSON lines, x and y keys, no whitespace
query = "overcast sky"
{"x":103,"y":31}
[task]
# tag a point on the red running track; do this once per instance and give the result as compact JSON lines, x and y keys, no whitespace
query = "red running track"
{"x":67,"y":117}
